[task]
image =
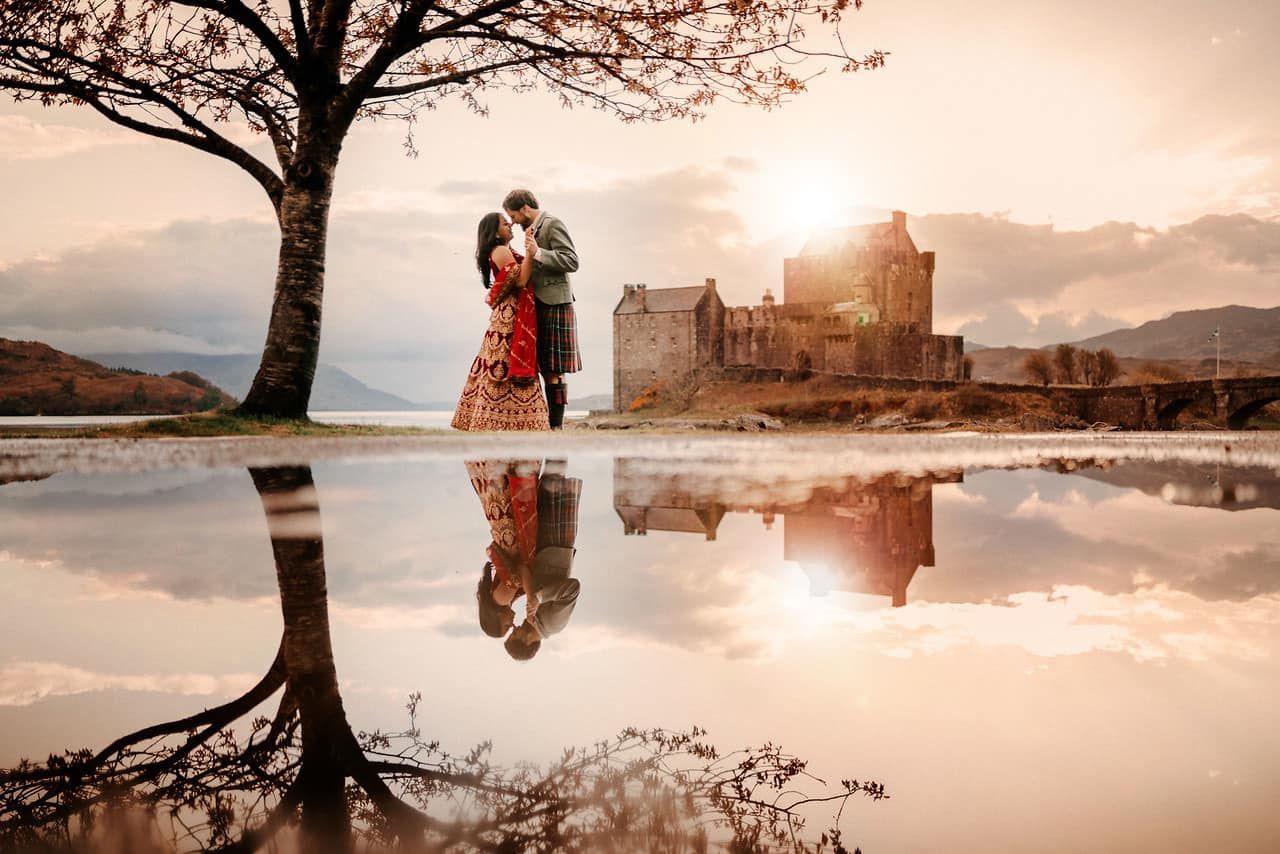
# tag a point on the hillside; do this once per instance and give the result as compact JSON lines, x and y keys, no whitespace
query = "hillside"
{"x":1248,"y":334}
{"x":1004,"y":365}
{"x":36,"y":379}
{"x":334,"y":388}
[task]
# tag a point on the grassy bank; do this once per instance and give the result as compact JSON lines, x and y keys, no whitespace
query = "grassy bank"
{"x":820,"y":404}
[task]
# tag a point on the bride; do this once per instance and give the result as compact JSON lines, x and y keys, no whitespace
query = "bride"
{"x":502,"y":391}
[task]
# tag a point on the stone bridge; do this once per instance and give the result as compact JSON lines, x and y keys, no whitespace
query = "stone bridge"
{"x":1157,"y":407}
{"x":1229,"y":403}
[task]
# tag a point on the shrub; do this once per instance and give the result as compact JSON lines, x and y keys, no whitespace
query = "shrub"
{"x":923,"y":406}
{"x":1038,"y":368}
{"x":191,"y":378}
{"x":971,"y":400}
{"x":1156,"y":372}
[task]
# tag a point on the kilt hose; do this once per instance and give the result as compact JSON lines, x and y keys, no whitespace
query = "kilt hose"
{"x":558,"y":339}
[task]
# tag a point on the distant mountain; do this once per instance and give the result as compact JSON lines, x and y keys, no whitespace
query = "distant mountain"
{"x":334,"y":388}
{"x":974,"y":346}
{"x":591,"y":401}
{"x":36,"y":379}
{"x":1248,"y":334}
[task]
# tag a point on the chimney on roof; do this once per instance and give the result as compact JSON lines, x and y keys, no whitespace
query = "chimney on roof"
{"x":767,"y":299}
{"x":640,"y":289}
{"x":899,"y":221}
{"x":711,"y":285}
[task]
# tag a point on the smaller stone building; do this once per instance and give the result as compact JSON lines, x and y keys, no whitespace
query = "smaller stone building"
{"x":664,"y":334}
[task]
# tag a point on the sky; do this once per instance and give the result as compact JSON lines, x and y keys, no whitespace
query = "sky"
{"x":1077,"y":166}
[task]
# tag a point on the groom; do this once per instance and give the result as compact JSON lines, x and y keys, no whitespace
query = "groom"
{"x":548,"y":246}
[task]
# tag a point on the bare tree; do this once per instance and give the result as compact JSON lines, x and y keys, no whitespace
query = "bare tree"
{"x":1108,"y":367}
{"x":1037,"y":368}
{"x":221,"y":780}
{"x":1087,"y":363}
{"x":303,"y":71}
{"x":1064,"y":363}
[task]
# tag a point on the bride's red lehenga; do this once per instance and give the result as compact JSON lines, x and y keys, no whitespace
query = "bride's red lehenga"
{"x":502,"y":391}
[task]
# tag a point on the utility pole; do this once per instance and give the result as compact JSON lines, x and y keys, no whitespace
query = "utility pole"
{"x":1217,"y":337}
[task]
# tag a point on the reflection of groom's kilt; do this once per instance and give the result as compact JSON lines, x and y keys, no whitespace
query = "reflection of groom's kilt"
{"x":558,"y":510}
{"x":558,"y":339}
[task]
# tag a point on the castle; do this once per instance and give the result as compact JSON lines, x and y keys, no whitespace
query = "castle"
{"x":854,"y":301}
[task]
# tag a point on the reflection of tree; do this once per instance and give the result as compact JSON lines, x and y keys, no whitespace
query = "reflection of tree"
{"x":216,"y":781}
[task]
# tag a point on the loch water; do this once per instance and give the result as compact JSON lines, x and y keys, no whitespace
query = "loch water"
{"x":1042,"y":650}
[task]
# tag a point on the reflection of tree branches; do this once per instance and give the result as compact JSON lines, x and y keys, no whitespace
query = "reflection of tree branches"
{"x":215,"y":782}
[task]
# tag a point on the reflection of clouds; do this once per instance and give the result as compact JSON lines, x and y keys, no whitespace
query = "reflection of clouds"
{"x":1032,"y":559}
{"x":1150,"y":624}
{"x":1216,"y":554}
{"x":393,"y":617}
{"x":27,"y":682}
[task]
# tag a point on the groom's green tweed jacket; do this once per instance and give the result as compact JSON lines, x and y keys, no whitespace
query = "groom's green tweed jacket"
{"x":555,"y":261}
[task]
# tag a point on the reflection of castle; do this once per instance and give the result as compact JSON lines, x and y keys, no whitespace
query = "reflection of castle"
{"x":855,"y":301}
{"x":858,"y":537}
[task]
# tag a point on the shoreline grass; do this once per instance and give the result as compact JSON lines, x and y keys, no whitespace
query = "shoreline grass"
{"x":223,"y":423}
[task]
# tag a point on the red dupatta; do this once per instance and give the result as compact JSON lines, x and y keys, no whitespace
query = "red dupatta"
{"x":523,"y":492}
{"x":522,"y":360}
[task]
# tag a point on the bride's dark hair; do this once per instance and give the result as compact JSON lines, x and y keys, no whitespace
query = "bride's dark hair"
{"x":487,"y":239}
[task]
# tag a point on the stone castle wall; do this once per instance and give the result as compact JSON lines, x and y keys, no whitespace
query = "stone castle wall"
{"x":655,"y":347}
{"x":884,"y":352}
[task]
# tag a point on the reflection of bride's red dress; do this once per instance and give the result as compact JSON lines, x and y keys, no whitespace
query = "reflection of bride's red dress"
{"x":491,"y":400}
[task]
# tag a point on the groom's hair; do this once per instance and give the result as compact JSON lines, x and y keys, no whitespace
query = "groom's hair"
{"x":517,"y":199}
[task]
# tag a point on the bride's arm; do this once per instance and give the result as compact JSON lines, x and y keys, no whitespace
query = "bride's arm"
{"x":526,"y":273}
{"x":503,"y":258}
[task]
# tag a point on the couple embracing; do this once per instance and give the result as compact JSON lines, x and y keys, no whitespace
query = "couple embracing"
{"x":532,"y":330}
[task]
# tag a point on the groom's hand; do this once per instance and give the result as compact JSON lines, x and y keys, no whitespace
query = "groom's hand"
{"x":530,"y":246}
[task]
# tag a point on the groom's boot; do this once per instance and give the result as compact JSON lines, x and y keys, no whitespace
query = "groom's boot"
{"x":557,"y":399}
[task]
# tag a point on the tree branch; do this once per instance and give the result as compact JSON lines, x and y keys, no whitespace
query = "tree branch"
{"x":237,"y":11}
{"x":101,"y":97}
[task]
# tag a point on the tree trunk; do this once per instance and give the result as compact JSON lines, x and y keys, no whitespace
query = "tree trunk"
{"x":282,"y":386}
{"x":293,"y":515}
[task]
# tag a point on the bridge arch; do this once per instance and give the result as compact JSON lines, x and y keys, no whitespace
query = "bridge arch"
{"x":1168,"y":411}
{"x":1238,"y":419}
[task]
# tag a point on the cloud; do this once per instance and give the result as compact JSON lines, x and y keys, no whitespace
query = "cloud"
{"x":22,"y":138}
{"x":1002,"y":282}
{"x":26,"y":682}
{"x":1005,"y":324}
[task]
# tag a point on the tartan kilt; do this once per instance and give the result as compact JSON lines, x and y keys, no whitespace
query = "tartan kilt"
{"x":558,"y":510}
{"x":558,"y":339}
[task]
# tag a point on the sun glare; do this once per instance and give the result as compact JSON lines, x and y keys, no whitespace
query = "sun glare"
{"x":805,"y":197}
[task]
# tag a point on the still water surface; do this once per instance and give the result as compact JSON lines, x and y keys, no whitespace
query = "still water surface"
{"x":1073,"y":656}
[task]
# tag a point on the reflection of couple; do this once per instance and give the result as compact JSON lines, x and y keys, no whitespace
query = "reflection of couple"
{"x":532,"y":326}
{"x":533,"y":517}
